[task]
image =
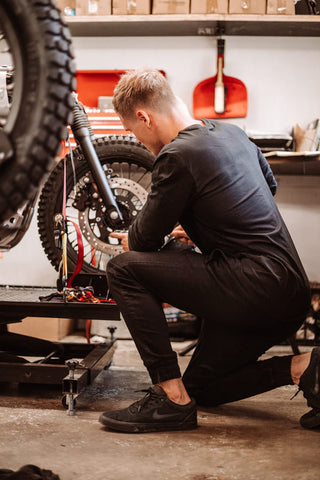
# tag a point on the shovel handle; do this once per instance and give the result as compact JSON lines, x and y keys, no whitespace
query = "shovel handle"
{"x":221,"y":46}
{"x":219,"y":91}
{"x":220,"y":59}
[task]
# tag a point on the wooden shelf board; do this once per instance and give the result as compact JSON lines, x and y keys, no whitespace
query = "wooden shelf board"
{"x":297,"y":166}
{"x":183,"y":25}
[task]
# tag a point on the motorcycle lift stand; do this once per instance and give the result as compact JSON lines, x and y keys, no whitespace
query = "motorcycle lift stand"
{"x":75,"y":365}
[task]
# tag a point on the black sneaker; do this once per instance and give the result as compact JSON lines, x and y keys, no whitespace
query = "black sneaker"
{"x":311,"y":419}
{"x":310,"y":385}
{"x":153,"y":413}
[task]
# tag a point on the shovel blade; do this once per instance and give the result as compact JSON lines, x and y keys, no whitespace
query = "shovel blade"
{"x":235,"y":102}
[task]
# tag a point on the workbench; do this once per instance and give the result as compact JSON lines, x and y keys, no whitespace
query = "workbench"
{"x":26,"y":359}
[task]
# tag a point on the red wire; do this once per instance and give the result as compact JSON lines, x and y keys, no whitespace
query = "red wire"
{"x":88,"y":329}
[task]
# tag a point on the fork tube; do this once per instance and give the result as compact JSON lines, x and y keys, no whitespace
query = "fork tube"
{"x":99,"y":177}
{"x":81,"y":130}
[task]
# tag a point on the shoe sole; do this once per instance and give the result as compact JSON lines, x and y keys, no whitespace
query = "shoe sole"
{"x":310,"y":420}
{"x":145,"y":427}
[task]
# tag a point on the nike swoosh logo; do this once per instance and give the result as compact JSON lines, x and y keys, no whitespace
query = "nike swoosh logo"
{"x":158,"y":416}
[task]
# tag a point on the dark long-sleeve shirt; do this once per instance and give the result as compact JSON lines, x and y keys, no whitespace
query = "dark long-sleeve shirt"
{"x":217,"y":184}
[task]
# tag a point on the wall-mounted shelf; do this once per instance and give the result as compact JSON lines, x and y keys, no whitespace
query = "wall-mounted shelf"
{"x":295,"y":167}
{"x":194,"y":25}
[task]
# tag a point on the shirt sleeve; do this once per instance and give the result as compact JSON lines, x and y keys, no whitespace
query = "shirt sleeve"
{"x":267,"y":172}
{"x":171,"y":190}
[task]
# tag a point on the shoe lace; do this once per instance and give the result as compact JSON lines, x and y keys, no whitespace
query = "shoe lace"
{"x":150,"y":399}
{"x":297,"y":392}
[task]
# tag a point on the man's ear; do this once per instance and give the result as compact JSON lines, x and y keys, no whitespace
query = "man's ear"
{"x":144,"y":116}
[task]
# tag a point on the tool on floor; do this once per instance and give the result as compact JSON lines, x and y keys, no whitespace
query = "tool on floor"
{"x":220,"y":96}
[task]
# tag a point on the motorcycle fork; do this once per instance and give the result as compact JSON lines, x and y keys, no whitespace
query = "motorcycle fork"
{"x":83,"y":134}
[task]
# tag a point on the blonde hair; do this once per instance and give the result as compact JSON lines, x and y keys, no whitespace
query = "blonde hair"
{"x":142,"y":88}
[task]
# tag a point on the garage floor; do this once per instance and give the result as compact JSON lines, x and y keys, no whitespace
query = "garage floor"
{"x":255,"y":439}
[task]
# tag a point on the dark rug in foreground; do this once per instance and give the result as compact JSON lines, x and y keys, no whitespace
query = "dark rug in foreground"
{"x":28,"y":472}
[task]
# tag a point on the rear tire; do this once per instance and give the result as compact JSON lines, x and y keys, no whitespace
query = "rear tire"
{"x":40,"y":46}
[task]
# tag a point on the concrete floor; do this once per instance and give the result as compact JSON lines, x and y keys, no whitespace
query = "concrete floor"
{"x":255,"y":439}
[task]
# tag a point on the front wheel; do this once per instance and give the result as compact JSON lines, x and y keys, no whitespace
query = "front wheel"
{"x":127,"y":166}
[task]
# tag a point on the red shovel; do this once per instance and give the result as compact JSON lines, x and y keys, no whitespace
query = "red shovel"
{"x":220,"y":96}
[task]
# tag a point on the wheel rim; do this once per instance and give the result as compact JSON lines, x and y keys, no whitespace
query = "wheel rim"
{"x":11,"y":65}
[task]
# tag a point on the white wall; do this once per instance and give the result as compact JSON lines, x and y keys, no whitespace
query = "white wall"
{"x":282,"y":77}
{"x":27,"y":264}
{"x":281,"y":73}
{"x":298,"y":199}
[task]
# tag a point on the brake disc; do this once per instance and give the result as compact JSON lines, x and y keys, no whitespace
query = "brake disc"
{"x":131,"y":197}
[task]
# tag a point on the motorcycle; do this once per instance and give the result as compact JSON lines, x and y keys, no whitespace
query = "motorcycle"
{"x":107,"y":184}
{"x":101,"y":185}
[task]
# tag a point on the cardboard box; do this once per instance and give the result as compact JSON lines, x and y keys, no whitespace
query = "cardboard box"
{"x":280,"y":7}
{"x":170,"y":6}
{"x":67,"y":7}
{"x":248,"y":6}
{"x":52,"y":329}
{"x":309,"y":139}
{"x":93,"y":7}
{"x":131,"y":7}
{"x":209,"y":6}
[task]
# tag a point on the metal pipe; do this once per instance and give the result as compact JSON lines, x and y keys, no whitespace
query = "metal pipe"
{"x":99,"y":175}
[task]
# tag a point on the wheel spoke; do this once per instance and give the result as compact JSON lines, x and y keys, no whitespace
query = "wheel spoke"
{"x":139,"y":180}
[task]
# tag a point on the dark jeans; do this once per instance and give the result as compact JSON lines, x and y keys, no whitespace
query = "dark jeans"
{"x":246,"y":305}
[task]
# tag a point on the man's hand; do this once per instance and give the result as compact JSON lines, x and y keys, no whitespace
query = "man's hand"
{"x":123,"y":236}
{"x":181,"y":235}
{"x":177,"y":233}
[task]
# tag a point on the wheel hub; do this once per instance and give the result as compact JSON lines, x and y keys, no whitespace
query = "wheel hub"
{"x":94,"y":224}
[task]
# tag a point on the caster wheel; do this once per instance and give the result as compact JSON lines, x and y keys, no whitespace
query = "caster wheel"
{"x":65,"y":402}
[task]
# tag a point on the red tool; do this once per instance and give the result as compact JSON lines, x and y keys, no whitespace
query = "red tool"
{"x":220,"y":96}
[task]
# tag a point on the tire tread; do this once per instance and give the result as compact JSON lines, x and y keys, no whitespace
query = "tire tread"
{"x":46,"y":138}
